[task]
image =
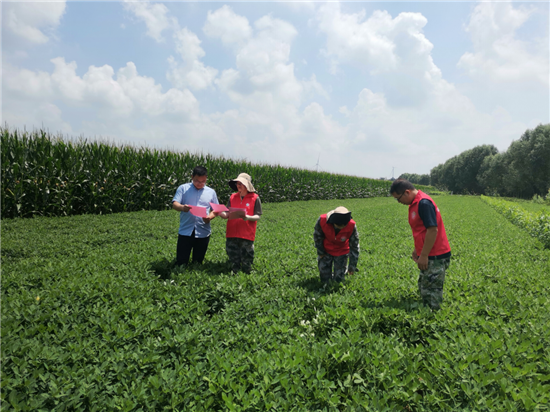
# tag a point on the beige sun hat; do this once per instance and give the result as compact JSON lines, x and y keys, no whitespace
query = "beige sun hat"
{"x":339,"y":216}
{"x":245,"y":179}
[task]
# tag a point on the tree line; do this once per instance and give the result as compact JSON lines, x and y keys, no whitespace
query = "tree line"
{"x":521,"y":171}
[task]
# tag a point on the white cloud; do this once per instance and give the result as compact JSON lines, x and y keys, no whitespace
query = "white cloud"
{"x":412,"y":119}
{"x":33,"y":23}
{"x":23,"y":82}
{"x":149,"y":99}
{"x":192,"y":72}
{"x":352,"y":40}
{"x":417,"y":104}
{"x":263,"y":80}
{"x":155,"y":16}
{"x":499,"y":56}
{"x":128,"y":96}
{"x":226,"y":25}
{"x":263,"y":85}
{"x":313,"y":88}
{"x":299,"y":6}
{"x":414,"y":135}
{"x":393,"y":49}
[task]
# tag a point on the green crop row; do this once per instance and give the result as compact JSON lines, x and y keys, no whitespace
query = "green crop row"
{"x":46,"y":175}
{"x":537,"y":224}
{"x":95,"y":317}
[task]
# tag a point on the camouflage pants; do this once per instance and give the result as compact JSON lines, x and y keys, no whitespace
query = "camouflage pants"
{"x":430,"y":282}
{"x":325,"y":267}
{"x":240,"y":253}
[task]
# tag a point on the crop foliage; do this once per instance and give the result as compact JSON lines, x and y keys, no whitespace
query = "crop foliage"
{"x":96,"y":317}
{"x":536,"y":223}
{"x":46,"y":175}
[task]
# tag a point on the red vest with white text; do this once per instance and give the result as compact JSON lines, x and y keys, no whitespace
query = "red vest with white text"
{"x":238,"y":227}
{"x":441,"y":244}
{"x":336,"y":244}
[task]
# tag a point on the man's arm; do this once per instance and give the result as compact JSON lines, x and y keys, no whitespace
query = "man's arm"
{"x":179,"y":207}
{"x":426,"y":212}
{"x":318,"y":238}
{"x":176,"y":205}
{"x":429,"y":241}
{"x":353,"y":251}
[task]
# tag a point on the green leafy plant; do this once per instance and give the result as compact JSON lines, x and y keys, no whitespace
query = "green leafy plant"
{"x":96,"y":317}
{"x":537,"y":224}
{"x":47,"y":175}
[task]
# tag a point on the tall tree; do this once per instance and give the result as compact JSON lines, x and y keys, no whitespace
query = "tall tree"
{"x":459,"y":173}
{"x":522,"y":171}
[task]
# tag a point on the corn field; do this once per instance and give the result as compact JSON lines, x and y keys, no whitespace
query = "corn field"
{"x":47,"y":175}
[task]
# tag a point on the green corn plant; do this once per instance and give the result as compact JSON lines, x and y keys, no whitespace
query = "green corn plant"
{"x":48,"y":175}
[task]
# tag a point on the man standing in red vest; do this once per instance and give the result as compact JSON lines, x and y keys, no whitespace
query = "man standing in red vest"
{"x":432,"y":252}
{"x":336,"y":239}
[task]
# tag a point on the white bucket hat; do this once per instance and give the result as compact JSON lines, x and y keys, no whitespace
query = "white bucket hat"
{"x":245,"y":179}
{"x":339,"y":215}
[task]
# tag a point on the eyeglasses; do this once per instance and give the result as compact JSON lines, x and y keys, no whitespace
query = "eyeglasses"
{"x":198,"y":181}
{"x":398,"y":198}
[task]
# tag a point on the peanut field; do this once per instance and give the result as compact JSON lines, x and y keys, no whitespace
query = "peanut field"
{"x":96,"y":316}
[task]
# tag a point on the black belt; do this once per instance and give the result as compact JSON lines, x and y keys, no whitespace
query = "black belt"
{"x":439,"y":257}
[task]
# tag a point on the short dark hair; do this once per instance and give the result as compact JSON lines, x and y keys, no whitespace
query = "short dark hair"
{"x":200,"y":171}
{"x":400,"y":185}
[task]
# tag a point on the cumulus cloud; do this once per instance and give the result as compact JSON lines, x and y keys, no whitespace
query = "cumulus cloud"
{"x":380,"y":136}
{"x":228,"y":26}
{"x":393,"y":49}
{"x":155,"y":16}
{"x":499,"y":56}
{"x":413,"y":113}
{"x":191,"y":72}
{"x":126,"y":95}
{"x":33,"y":23}
{"x":416,"y":104}
{"x":264,"y":78}
{"x":267,"y":94}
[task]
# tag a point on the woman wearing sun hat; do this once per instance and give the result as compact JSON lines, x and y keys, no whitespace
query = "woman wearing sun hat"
{"x":241,"y":225}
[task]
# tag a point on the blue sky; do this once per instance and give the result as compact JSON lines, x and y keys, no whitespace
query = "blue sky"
{"x":363,"y":86}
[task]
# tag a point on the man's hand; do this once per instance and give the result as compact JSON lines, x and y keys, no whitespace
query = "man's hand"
{"x":350,"y":272}
{"x":414,"y":256}
{"x":185,"y":208}
{"x":422,"y":262}
{"x":208,"y":218}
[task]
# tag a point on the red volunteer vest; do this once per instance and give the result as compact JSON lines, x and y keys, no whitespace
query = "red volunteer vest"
{"x":336,"y":244}
{"x":238,"y":227}
{"x":441,"y":244}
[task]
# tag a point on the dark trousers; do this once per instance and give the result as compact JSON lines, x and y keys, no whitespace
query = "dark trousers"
{"x":188,"y":243}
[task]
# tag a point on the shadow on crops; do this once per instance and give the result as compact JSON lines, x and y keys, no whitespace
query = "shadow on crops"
{"x":164,"y":269}
{"x":407,"y":303}
{"x":314,"y":285}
